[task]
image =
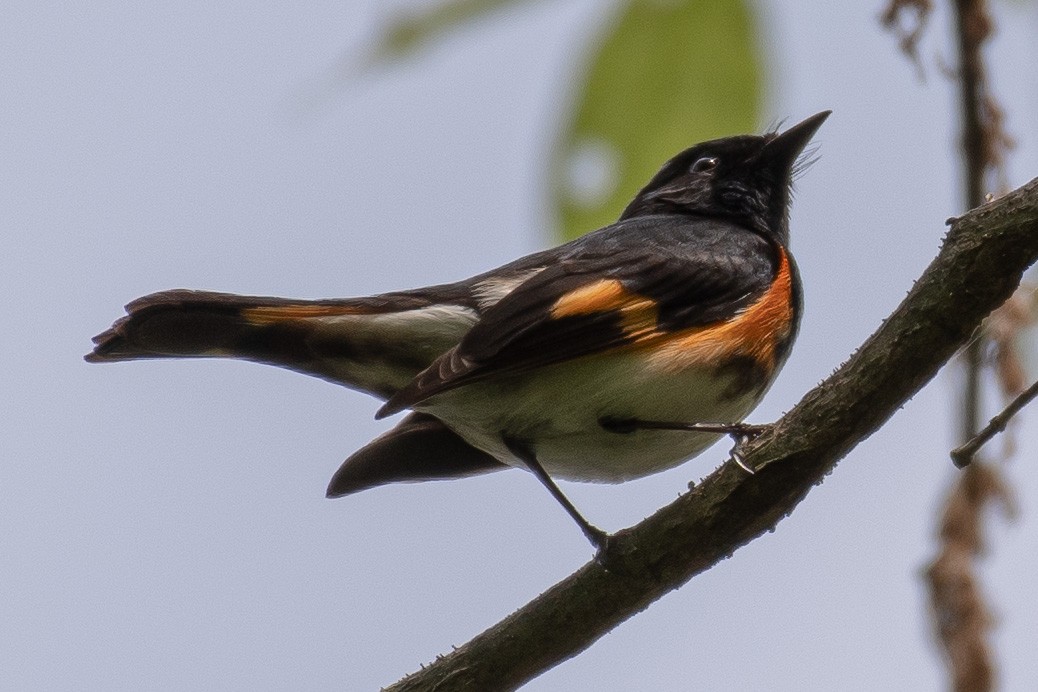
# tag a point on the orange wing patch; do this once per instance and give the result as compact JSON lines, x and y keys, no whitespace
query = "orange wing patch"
{"x":637,"y":312}
{"x":600,"y":296}
{"x":756,"y":332}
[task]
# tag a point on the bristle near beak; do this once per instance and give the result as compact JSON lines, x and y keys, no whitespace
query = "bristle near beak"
{"x":786,"y":147}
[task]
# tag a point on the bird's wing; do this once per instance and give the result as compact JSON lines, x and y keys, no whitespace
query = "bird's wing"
{"x":592,"y":302}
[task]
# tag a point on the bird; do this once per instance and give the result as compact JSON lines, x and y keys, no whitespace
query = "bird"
{"x":624,"y":352}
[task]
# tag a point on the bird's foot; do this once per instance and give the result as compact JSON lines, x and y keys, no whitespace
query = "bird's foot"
{"x":741,"y":433}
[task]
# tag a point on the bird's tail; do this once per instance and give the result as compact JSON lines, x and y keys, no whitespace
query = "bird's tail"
{"x":375,"y":344}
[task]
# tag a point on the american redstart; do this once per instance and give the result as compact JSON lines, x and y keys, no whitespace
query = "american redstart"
{"x":619,"y":354}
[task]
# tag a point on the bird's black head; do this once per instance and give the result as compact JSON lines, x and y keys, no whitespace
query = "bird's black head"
{"x":746,"y":178}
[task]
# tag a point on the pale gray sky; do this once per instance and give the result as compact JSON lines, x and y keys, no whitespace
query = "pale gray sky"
{"x":163,"y":524}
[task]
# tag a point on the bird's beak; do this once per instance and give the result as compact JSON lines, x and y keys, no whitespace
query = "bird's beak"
{"x":786,"y":147}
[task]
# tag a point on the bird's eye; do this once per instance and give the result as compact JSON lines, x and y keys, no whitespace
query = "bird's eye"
{"x":707,"y":163}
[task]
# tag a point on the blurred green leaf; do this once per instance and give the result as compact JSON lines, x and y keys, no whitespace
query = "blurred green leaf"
{"x":668,"y":74}
{"x":409,"y":32}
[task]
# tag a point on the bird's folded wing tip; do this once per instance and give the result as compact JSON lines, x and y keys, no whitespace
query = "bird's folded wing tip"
{"x":396,"y":404}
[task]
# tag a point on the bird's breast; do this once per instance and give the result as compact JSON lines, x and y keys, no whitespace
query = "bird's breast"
{"x":558,"y":411}
{"x":757,"y":335}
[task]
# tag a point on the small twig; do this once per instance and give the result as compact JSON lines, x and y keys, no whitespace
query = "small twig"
{"x":963,"y":454}
{"x":907,"y":19}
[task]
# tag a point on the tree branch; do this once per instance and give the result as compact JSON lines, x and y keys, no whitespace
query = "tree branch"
{"x":977,"y":269}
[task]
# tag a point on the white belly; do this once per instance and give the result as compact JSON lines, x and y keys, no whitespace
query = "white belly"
{"x":556,"y":411}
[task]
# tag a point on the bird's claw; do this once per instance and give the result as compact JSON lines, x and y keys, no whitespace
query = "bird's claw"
{"x":606,"y":547}
{"x":743,"y":434}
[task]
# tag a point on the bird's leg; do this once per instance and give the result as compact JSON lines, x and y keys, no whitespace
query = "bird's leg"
{"x":598,"y":537}
{"x":741,"y":433}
